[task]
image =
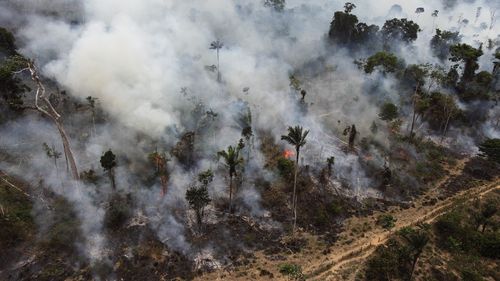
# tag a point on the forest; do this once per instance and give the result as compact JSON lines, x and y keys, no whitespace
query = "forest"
{"x":249,"y":140}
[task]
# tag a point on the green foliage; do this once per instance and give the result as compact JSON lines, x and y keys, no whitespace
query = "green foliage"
{"x":397,"y":259}
{"x":286,"y":167}
{"x":400,"y":29}
{"x":471,"y":275}
{"x":491,"y":149}
{"x":417,"y":73}
{"x":386,"y":61}
{"x":345,"y":28}
{"x":342,"y":27}
{"x":295,"y":83}
{"x":293,"y":271}
{"x":387,"y":263}
{"x":198,"y":199}
{"x":51,"y":152}
{"x":7,"y":42}
{"x":117,"y":213}
{"x":484,"y":79}
{"x":386,"y":221}
{"x":206,"y":177}
{"x":277,"y":5}
{"x":469,"y":56}
{"x":388,"y":112}
{"x":324,"y":213}
{"x":458,"y":231}
{"x":108,"y":163}
{"x":108,"y":160}
{"x":330,"y":161}
{"x":16,"y":222}
{"x":11,"y":88}
{"x":438,"y":109}
{"x":428,"y":171}
{"x":64,"y":230}
{"x":348,"y":7}
{"x":441,"y":42}
{"x":231,"y":158}
{"x":296,"y":137}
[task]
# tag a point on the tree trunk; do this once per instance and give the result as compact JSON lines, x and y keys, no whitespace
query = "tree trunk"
{"x":67,"y":149}
{"x":415,"y":259}
{"x":412,"y":123}
{"x":414,"y":111}
{"x":294,"y":197}
{"x":218,"y":66}
{"x":93,"y":124}
{"x":446,"y":126}
{"x":230,"y":193}
{"x":112,"y":178}
{"x":198,"y":218}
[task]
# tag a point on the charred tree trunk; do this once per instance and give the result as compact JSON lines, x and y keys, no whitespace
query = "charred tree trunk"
{"x":199,"y":215}
{"x":352,"y":136}
{"x":111,"y":174}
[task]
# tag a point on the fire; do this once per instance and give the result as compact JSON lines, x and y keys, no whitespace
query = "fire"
{"x":368,"y":157}
{"x":288,"y":153}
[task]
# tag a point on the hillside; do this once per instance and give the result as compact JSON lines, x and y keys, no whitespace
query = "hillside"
{"x":249,"y":140}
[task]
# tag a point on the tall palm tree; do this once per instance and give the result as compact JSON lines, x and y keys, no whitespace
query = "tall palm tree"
{"x":232,"y":159}
{"x":217,"y":45}
{"x":296,"y":137}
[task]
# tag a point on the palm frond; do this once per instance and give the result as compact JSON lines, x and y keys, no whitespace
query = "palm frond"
{"x":296,"y":136}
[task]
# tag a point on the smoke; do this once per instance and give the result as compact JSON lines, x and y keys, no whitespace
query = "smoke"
{"x":146,"y":63}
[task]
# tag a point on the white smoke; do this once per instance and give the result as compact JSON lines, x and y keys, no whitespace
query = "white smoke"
{"x":135,"y":56}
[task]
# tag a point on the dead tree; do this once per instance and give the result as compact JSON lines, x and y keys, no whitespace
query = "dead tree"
{"x":43,"y":105}
{"x":352,"y":136}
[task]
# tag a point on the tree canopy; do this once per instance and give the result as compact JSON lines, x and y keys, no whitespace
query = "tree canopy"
{"x":108,"y":160}
{"x":388,"y":112}
{"x":386,"y":61}
{"x":441,"y":42}
{"x":400,"y":29}
{"x":491,"y":149}
{"x":469,"y":56}
{"x":7,"y":42}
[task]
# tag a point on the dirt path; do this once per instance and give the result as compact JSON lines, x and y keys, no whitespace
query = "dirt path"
{"x":337,"y":265}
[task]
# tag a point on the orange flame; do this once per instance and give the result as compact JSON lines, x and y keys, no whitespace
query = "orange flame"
{"x":368,"y":157}
{"x":288,"y":153}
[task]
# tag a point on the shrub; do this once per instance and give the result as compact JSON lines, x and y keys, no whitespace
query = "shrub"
{"x":386,"y":221}
{"x":293,"y":271}
{"x":117,"y":214}
{"x":285,"y":167}
{"x":491,"y":149}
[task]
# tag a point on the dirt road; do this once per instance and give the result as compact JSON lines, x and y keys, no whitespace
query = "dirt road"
{"x":342,"y":256}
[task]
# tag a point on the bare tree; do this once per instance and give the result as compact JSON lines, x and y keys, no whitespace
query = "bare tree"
{"x":43,"y":105}
{"x":434,"y":15}
{"x":217,"y":45}
{"x":493,"y":18}
{"x":92,"y":104}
